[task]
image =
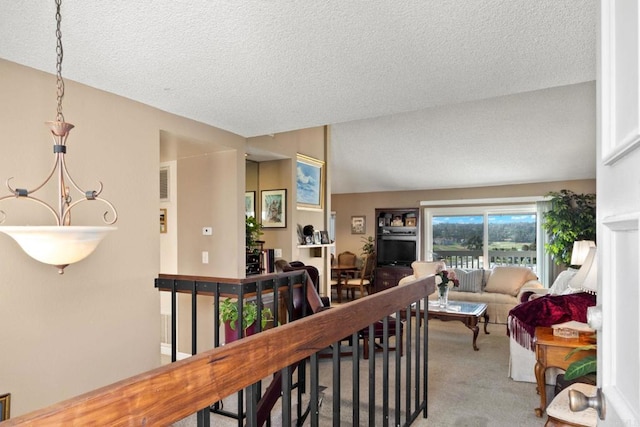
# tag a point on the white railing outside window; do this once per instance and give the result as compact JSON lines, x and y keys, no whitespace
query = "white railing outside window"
{"x":503,"y":234}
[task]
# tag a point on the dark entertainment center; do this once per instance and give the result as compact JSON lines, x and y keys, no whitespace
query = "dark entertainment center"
{"x":397,"y":245}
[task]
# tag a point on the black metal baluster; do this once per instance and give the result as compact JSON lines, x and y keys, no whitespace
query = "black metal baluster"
{"x":194,"y":318}
{"x":372,"y":375}
{"x":315,"y":388}
{"x":385,"y":368}
{"x":286,"y":396}
{"x":355,"y":379}
{"x":174,"y":322}
{"x":335,"y":358}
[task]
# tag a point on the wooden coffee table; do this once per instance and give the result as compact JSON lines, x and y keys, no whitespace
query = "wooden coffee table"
{"x":466,"y":312}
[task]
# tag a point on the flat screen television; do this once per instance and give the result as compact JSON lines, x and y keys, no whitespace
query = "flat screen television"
{"x":396,"y":252}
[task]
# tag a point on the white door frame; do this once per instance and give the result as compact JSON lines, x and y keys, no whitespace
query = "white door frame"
{"x":618,"y":211}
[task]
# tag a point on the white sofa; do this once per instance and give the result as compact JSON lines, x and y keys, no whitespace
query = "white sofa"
{"x":500,"y":288}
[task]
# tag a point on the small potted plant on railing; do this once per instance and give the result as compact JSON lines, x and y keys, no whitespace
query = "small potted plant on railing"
{"x":229,"y":317}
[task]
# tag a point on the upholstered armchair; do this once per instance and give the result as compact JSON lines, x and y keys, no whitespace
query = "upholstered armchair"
{"x":422,"y":269}
{"x":314,"y":276}
{"x":571,"y":294}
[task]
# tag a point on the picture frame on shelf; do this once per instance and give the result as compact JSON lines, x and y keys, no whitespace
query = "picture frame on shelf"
{"x":317,"y":239}
{"x":309,"y":183}
{"x":410,"y":222}
{"x":358,"y":224}
{"x":250,"y":203}
{"x":324,"y":238}
{"x":274,"y":208}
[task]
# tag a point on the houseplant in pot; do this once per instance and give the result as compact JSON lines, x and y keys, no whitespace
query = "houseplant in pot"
{"x":368,"y":246}
{"x":229,"y":317}
{"x":253,"y":230}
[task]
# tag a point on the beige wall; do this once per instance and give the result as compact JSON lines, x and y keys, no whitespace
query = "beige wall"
{"x":210,"y":193}
{"x":346,"y":205}
{"x":99,"y":322}
{"x":279,"y":174}
{"x":208,"y":189}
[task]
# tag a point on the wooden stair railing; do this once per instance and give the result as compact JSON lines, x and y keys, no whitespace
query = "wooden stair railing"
{"x":167,"y":394}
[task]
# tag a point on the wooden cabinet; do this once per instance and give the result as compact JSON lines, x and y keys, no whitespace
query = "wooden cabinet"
{"x":397,"y":245}
{"x":388,"y":276}
{"x":397,"y":236}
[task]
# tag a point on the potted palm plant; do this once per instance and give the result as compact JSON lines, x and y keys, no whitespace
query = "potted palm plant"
{"x":229,"y":315}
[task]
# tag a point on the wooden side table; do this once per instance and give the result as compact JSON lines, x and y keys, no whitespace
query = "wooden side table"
{"x":551,"y":352}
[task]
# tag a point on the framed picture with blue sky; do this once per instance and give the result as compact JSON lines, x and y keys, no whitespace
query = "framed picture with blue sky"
{"x":309,"y":183}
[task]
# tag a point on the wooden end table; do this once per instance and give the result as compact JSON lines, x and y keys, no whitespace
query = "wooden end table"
{"x":466,"y":312}
{"x":551,"y":352}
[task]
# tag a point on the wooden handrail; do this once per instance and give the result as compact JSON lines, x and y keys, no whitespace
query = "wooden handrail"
{"x":169,"y":393}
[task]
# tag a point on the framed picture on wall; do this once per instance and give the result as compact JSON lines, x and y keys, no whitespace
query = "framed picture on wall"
{"x":358,"y":224}
{"x":309,"y":183}
{"x":250,"y":203}
{"x":5,"y":406}
{"x":274,"y":208}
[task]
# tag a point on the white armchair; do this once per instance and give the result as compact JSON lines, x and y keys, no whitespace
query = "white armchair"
{"x":522,"y":352}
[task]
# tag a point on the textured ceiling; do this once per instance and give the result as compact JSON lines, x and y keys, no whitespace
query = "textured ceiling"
{"x":422,"y":94}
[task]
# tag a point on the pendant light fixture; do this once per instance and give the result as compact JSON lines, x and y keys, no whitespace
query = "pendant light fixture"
{"x":60,"y":244}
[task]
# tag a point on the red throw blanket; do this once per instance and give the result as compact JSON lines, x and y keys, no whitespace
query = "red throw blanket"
{"x":547,"y":310}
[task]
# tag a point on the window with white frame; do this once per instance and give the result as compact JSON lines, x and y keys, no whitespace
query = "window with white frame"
{"x":483,"y":236}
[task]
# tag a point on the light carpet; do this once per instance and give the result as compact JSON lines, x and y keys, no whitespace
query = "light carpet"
{"x":466,"y":388}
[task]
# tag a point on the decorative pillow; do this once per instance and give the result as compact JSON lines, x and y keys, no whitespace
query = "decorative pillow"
{"x":509,"y":280}
{"x":561,"y":283}
{"x":426,"y":268}
{"x":470,"y":280}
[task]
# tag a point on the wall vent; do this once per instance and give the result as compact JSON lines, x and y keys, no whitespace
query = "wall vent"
{"x":164,"y":184}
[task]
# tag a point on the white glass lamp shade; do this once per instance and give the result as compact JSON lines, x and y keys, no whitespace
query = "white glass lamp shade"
{"x":580,"y":251}
{"x":57,"y":245}
{"x":586,"y":279}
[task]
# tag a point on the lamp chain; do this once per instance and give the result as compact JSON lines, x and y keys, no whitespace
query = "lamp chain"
{"x":60,"y":54}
